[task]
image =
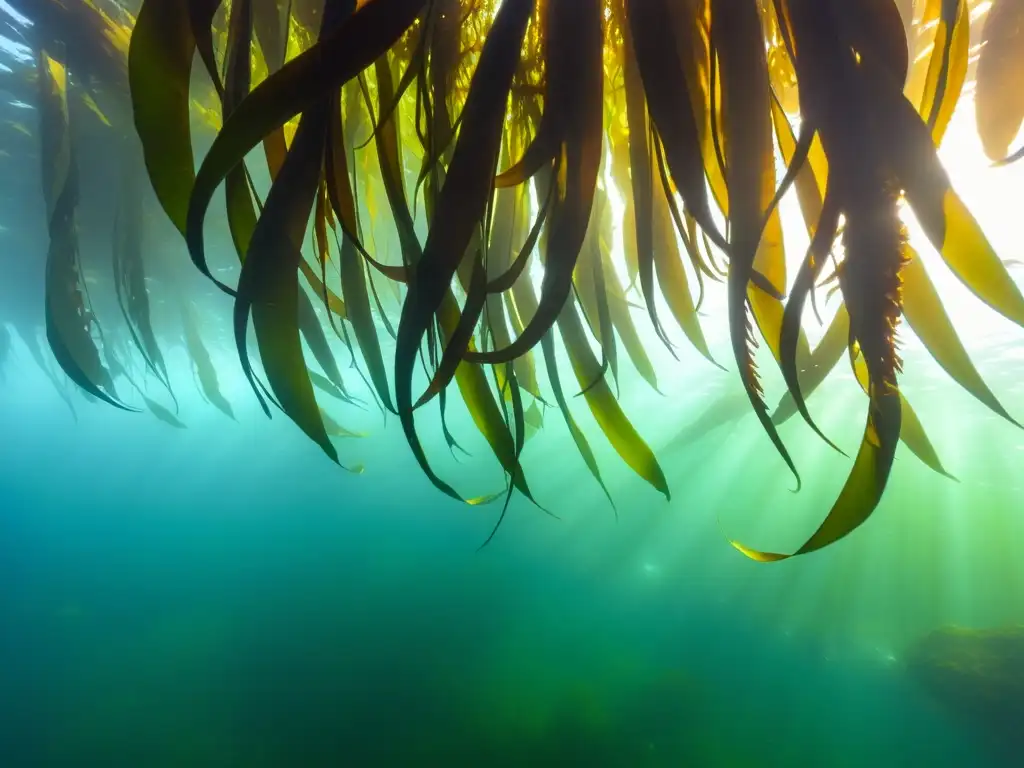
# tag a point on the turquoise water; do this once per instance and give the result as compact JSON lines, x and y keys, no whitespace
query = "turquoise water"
{"x":222,"y":595}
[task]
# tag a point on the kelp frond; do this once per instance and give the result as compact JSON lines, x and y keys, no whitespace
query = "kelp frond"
{"x":486,"y":141}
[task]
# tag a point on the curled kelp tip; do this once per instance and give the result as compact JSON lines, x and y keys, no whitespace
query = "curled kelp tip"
{"x":164,"y":415}
{"x":446,"y":174}
{"x":757,"y":555}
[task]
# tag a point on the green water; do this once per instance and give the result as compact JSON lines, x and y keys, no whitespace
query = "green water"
{"x":223,"y":596}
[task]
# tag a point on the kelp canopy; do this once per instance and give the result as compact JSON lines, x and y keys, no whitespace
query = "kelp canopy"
{"x":488,"y":140}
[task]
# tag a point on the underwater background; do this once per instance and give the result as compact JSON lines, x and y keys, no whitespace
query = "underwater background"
{"x":223,"y":595}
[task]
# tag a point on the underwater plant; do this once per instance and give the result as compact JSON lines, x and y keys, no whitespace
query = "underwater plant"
{"x":487,"y":140}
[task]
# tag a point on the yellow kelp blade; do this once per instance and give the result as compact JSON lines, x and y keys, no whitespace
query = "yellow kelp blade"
{"x":863,"y":488}
{"x":93,"y":107}
{"x":487,"y":416}
{"x":607,"y":412}
{"x":947,"y":222}
{"x":823,"y":359}
{"x":947,"y":66}
{"x":830,"y":47}
{"x":618,"y":140}
{"x":272,"y":32}
{"x":622,"y":320}
{"x":932,"y":324}
{"x":672,"y":277}
{"x":770,"y":262}
{"x":812,"y":177}
{"x":911,"y":430}
{"x":389,"y":158}
{"x":690,"y":21}
{"x":809,"y":180}
{"x":971,"y":257}
{"x":591,"y":291}
{"x":916,"y":439}
{"x":998,"y":98}
{"x":526,"y":304}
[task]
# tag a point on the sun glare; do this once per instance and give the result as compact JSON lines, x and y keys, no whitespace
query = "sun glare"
{"x":988,"y":191}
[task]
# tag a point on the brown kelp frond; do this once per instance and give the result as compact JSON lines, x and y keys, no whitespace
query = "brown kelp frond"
{"x":455,"y":224}
{"x":748,"y":160}
{"x":838,"y":69}
{"x":570,"y":134}
{"x":852,"y":94}
{"x":456,"y":174}
{"x":70,"y":324}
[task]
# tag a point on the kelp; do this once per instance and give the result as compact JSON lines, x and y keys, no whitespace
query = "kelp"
{"x":486,"y":145}
{"x":469,"y":178}
{"x":162,"y":414}
{"x":334,"y":429}
{"x":129,"y":269}
{"x":202,"y":364}
{"x":82,"y":36}
{"x":70,"y":323}
{"x":747,"y":160}
{"x":866,"y":172}
{"x":999,"y":99}
{"x":316,"y":340}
